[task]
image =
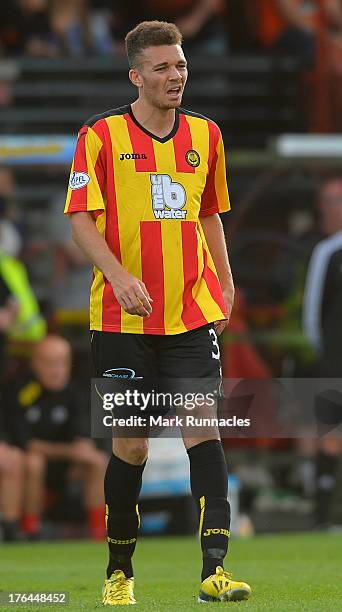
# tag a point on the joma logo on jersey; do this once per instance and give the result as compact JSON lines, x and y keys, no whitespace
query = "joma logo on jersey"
{"x":209,"y":532}
{"x":132,"y":156}
{"x":167,"y":197}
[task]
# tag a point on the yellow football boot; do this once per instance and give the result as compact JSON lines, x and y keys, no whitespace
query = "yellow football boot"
{"x":221,"y":587}
{"x":118,"y":590}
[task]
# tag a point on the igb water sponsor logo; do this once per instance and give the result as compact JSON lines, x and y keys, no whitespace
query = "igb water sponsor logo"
{"x":78,"y":180}
{"x":168,"y":198}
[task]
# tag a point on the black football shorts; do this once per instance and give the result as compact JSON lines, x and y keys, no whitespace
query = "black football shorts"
{"x":179,"y":365}
{"x":193,"y":354}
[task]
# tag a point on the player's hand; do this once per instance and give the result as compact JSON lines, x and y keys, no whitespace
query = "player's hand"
{"x":228,"y":296}
{"x":132,"y":294}
{"x":220,"y":326}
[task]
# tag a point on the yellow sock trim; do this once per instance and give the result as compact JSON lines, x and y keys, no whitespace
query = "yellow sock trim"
{"x":202,"y":506}
{"x":138,"y":514}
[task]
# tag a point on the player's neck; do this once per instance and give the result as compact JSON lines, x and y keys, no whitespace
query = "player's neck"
{"x":157,"y":121}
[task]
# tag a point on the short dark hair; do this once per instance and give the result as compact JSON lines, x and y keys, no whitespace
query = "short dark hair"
{"x":150,"y":34}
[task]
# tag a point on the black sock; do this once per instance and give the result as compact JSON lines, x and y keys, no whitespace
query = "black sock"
{"x":122,"y":487}
{"x":209,"y":486}
{"x":326,"y":466}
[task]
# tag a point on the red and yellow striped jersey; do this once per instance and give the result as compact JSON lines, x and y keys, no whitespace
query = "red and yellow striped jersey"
{"x":147,"y":195}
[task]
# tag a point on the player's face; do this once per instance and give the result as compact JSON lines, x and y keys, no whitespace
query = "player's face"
{"x":52,"y":368}
{"x":162,"y":76}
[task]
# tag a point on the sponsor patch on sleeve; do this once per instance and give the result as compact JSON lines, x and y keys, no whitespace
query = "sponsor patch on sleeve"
{"x":78,"y":180}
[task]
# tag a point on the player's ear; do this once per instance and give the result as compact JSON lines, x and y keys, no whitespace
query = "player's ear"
{"x":135,"y":77}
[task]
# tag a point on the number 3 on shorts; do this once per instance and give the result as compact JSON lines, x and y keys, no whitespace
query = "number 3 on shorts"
{"x":216,"y":352}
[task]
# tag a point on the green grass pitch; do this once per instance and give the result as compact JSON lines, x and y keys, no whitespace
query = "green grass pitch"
{"x":286,"y":572}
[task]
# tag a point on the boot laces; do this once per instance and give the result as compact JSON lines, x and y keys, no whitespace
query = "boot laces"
{"x":220,"y":572}
{"x":118,"y":588}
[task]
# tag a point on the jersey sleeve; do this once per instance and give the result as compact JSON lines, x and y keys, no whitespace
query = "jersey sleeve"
{"x":215,"y":198}
{"x":87,"y":177}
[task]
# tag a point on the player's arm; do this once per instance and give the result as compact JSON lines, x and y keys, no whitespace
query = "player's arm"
{"x":216,"y":241}
{"x":215,"y":200}
{"x":130,"y":292}
{"x":85,"y":196}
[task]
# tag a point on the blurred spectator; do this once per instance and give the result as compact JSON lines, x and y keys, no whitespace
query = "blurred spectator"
{"x":323,"y":292}
{"x":101,"y":20}
{"x":70,"y":24}
{"x":11,"y":485}
{"x":29,"y":325}
{"x":10,"y":458}
{"x":50,"y":28}
{"x":200,"y":22}
{"x":25,"y":28}
{"x":47,"y":416}
{"x":240,"y":26}
{"x":8,"y":314}
{"x":322,"y":323}
{"x":114,"y":20}
{"x":21,"y":317}
{"x":242,"y":360}
{"x":291,"y":274}
{"x":72,"y":270}
{"x":79,"y":30}
{"x":10,"y":237}
{"x":290,"y":26}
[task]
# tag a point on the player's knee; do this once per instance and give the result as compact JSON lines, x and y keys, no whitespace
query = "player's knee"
{"x":137,"y":451}
{"x":132,"y":450}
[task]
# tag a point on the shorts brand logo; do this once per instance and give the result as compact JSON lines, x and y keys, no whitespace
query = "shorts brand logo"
{"x":167,"y":197}
{"x":121,"y":373}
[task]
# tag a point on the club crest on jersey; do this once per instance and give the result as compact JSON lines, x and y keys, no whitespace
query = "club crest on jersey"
{"x":78,"y":180}
{"x":192,"y":158}
{"x":168,"y":198}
